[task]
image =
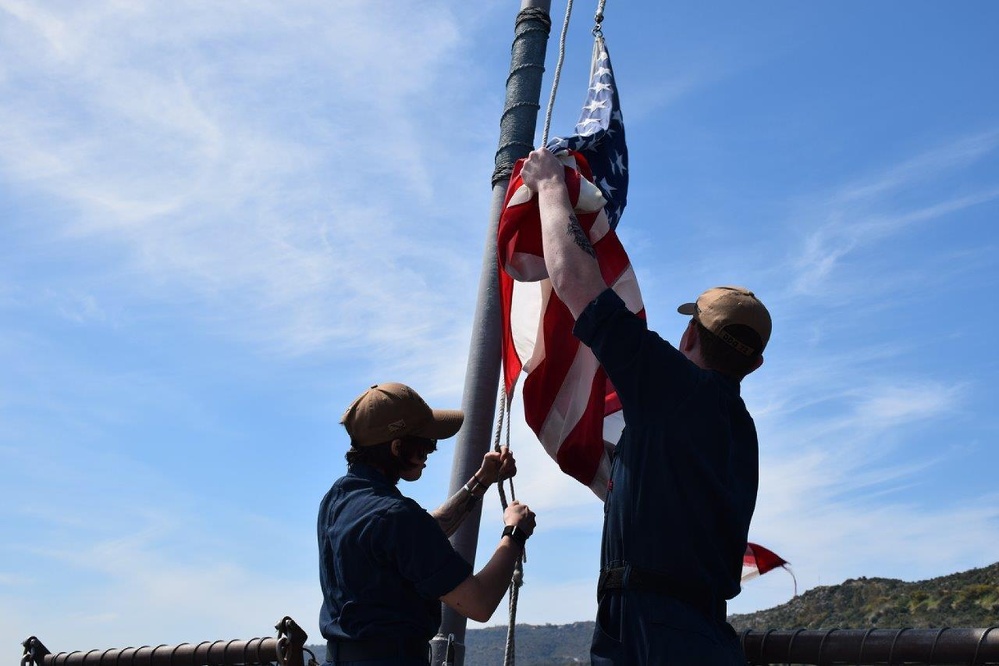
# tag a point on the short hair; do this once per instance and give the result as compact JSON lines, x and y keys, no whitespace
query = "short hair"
{"x":382,"y":457}
{"x":723,"y":357}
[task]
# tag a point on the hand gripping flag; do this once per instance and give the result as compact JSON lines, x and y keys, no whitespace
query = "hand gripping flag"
{"x":568,"y":401}
{"x":567,"y":396}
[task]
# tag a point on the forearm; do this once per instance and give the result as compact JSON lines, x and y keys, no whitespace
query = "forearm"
{"x":480,"y":594}
{"x":456,"y":508}
{"x":494,"y":578}
{"x":569,"y":256}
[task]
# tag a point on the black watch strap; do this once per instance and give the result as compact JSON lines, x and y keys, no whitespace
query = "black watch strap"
{"x":515,"y":533}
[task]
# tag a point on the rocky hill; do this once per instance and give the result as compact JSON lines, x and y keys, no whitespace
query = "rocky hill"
{"x":968,"y":599}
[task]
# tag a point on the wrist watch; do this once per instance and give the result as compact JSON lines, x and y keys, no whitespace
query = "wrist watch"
{"x":515,"y":533}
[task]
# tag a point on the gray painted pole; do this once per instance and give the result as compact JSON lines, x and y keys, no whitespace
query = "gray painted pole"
{"x":517,"y":127}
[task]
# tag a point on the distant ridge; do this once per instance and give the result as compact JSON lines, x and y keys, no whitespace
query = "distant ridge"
{"x":536,"y":645}
{"x":966,"y":599}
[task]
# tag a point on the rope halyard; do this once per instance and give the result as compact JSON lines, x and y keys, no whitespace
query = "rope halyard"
{"x":518,"y":580}
{"x":558,"y":72}
{"x":503,"y":416}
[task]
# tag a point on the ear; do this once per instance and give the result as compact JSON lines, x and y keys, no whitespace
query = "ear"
{"x":397,"y":448}
{"x":689,"y":338}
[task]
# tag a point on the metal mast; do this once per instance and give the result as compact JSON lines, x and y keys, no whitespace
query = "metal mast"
{"x":517,"y":127}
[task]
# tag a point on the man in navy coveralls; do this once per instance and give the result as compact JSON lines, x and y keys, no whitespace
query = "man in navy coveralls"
{"x":685,"y":473}
{"x":385,"y":563}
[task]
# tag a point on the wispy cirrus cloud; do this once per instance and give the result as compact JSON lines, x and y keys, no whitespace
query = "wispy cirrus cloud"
{"x":871,"y":212}
{"x":263,"y":212}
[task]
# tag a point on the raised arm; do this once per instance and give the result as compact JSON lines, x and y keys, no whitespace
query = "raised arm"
{"x":496,"y":466}
{"x":569,"y":256}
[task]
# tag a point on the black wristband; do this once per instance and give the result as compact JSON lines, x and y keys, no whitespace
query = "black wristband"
{"x":515,"y":533}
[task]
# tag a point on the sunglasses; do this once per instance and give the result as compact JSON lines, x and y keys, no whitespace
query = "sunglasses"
{"x":424,"y":443}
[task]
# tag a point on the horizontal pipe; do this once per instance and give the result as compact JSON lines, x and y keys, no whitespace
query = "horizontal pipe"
{"x":285,"y":650}
{"x":873,"y":646}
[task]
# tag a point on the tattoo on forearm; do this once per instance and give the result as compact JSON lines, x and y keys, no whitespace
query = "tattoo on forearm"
{"x":452,"y":512}
{"x":579,"y":237}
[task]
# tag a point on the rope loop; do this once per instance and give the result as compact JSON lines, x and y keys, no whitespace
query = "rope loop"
{"x":534,"y":14}
{"x":515,"y":70}
{"x":502,"y":173}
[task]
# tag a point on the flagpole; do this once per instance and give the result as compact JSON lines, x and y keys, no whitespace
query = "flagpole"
{"x":517,"y":128}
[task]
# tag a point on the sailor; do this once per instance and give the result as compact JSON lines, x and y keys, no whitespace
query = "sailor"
{"x":685,"y":473}
{"x":385,"y":563}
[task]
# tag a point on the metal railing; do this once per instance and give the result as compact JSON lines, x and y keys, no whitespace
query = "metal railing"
{"x":287,"y":649}
{"x":948,"y":646}
{"x":942,"y":647}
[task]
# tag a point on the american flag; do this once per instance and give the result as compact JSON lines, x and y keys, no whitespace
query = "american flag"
{"x":568,"y":401}
{"x":566,"y":394}
{"x":600,"y":135}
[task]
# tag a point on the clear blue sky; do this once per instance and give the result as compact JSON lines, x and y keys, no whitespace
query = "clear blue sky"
{"x":220,"y":222}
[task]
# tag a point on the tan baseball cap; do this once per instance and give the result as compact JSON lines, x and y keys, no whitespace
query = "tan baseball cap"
{"x":389,"y":411}
{"x":721,"y":307}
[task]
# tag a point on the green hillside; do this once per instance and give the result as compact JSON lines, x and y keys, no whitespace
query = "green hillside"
{"x":968,"y":599}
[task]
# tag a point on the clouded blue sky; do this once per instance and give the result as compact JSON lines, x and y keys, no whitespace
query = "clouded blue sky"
{"x":220,"y":222}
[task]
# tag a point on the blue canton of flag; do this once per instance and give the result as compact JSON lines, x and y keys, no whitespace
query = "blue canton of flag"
{"x":600,"y":135}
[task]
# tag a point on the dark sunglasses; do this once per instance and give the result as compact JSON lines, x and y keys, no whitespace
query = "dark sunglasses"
{"x":424,"y":443}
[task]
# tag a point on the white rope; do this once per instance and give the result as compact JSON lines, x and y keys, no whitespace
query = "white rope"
{"x":515,"y":583}
{"x":598,"y":19}
{"x":558,"y":72}
{"x":503,"y":415}
{"x":503,"y":411}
